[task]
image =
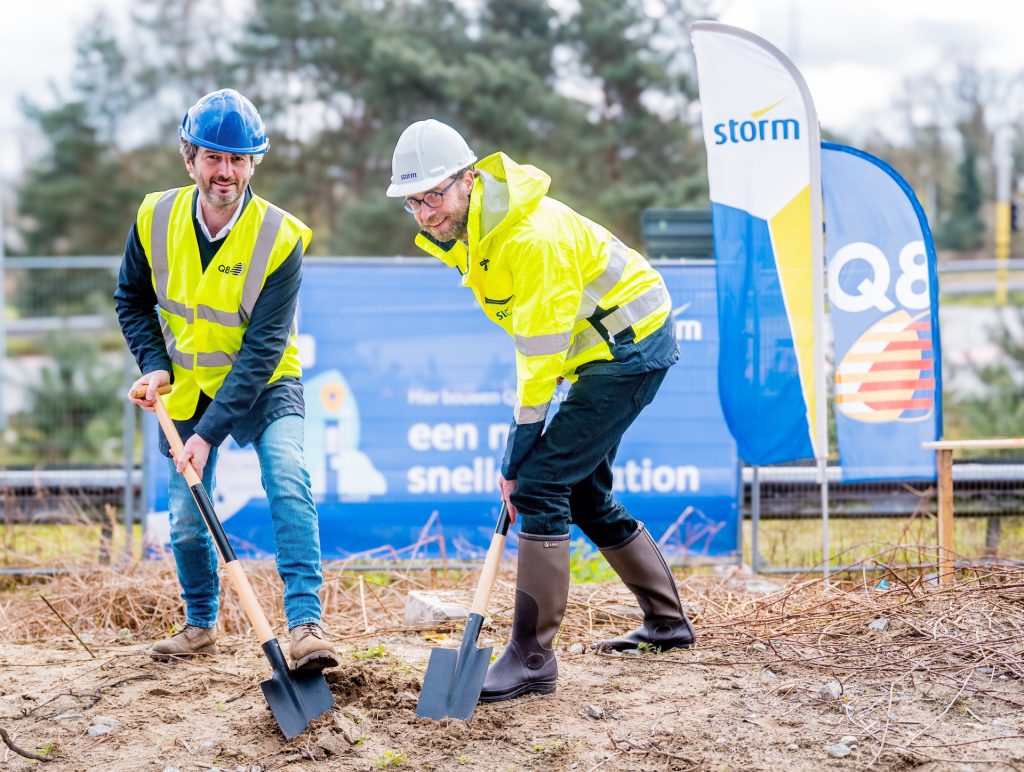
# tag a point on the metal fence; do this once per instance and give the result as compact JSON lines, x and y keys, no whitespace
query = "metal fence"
{"x":987,"y":496}
{"x":69,"y":435}
{"x":62,"y":381}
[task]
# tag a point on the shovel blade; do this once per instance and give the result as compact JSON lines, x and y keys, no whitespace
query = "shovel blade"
{"x":454,"y":678}
{"x":295,"y":697}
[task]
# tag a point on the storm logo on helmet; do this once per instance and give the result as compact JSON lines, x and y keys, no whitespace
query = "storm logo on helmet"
{"x":427,"y":153}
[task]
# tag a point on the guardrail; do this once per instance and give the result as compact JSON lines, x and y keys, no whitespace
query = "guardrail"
{"x":980,"y":266}
{"x":983,"y":490}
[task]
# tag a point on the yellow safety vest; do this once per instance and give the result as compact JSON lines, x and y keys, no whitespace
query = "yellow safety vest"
{"x":204,"y":314}
{"x":560,"y":284}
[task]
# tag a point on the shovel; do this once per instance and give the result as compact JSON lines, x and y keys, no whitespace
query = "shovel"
{"x":454,"y":679}
{"x":295,"y":697}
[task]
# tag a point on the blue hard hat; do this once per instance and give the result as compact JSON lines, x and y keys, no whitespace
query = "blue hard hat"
{"x":227,"y":121}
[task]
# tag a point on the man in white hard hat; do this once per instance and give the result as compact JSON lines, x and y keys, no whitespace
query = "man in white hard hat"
{"x":581,"y":306}
{"x":206,"y":298}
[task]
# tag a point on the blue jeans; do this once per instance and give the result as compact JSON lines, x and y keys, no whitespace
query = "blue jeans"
{"x":296,"y":531}
{"x":567,"y":477}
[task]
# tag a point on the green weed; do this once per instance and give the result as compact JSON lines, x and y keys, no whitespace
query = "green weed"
{"x":370,"y":653}
{"x":587,"y":565}
{"x":391,"y":758}
{"x":34,"y":544}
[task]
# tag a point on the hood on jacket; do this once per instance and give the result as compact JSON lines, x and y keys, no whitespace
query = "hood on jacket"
{"x":510,"y":192}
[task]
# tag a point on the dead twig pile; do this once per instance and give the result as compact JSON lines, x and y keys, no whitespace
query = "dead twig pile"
{"x":145,"y":597}
{"x":889,"y":662}
{"x":894,"y":664}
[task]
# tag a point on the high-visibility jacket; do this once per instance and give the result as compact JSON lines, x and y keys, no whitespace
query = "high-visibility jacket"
{"x":562,"y":286}
{"x":204,"y":314}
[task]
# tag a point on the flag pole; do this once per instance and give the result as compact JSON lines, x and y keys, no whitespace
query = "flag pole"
{"x":820,"y":388}
{"x":819,"y":410}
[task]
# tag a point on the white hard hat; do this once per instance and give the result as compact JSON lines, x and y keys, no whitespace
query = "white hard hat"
{"x":426,"y":153}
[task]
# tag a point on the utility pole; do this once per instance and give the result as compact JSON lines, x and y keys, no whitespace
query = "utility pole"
{"x":3,"y":317}
{"x":1004,"y":167}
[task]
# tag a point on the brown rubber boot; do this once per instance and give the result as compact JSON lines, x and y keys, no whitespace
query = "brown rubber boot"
{"x":187,"y":642}
{"x":528,"y":664}
{"x":310,"y":649}
{"x":642,"y":568}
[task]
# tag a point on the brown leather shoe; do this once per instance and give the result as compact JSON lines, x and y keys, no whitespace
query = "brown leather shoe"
{"x":187,"y":642}
{"x":310,"y":649}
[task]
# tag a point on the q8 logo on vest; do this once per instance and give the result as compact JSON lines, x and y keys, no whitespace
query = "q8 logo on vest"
{"x":234,"y":270}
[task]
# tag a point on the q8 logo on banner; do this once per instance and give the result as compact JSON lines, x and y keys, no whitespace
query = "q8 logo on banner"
{"x":911,"y":287}
{"x":887,"y":373}
{"x":882,"y":289}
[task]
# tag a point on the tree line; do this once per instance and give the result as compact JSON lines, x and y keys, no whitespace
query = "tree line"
{"x":600,"y":96}
{"x":598,"y":93}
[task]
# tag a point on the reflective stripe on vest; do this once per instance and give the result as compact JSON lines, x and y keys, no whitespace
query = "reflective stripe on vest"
{"x":181,"y":360}
{"x":636,"y":309}
{"x":161,"y":267}
{"x":540,"y":345}
{"x":584,"y":341}
{"x":530,"y":414}
{"x":250,"y":292}
{"x":602,"y":285}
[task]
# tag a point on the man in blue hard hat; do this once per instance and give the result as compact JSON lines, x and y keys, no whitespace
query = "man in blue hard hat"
{"x":206,"y":299}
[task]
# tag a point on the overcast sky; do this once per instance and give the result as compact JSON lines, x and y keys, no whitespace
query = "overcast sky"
{"x":854,"y":54}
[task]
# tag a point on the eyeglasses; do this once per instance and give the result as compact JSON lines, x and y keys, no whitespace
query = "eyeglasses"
{"x":433,"y":199}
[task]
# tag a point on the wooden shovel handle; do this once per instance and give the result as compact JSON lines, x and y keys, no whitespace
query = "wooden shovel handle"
{"x":247,"y":597}
{"x":239,"y":580}
{"x":140,"y":391}
{"x":170,"y":430}
{"x":491,"y":564}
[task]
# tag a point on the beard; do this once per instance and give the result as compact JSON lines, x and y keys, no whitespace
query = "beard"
{"x":216,"y":198}
{"x":455,"y":226}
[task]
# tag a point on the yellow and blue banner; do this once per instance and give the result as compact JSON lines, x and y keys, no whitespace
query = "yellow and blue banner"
{"x":884,"y":299}
{"x":764,"y":174}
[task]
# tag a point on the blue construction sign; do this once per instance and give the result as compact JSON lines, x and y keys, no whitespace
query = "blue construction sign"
{"x":409,"y":394}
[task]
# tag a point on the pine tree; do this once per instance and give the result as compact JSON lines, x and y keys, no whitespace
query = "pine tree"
{"x":964,"y":229}
{"x":637,"y":147}
{"x":998,"y":410}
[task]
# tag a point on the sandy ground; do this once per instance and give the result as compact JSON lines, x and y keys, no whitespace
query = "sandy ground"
{"x":723,"y":705}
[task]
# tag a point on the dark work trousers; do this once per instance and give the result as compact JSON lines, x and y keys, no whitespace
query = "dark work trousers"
{"x":567,"y":477}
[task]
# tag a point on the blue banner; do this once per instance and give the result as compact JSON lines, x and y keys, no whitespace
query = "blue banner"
{"x":884,"y":297}
{"x":409,"y":393}
{"x":762,"y":394}
{"x":762,"y":141}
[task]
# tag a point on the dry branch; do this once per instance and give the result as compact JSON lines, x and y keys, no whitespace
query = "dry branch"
{"x":20,"y":751}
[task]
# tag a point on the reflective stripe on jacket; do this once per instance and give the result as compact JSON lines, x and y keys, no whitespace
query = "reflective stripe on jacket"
{"x":563,"y":286}
{"x":204,"y":314}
